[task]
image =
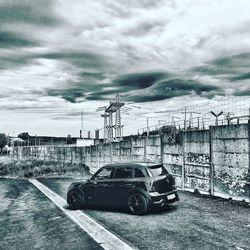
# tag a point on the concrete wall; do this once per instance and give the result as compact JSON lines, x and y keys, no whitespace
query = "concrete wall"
{"x":230,"y":159}
{"x":197,"y":160}
{"x":215,"y":161}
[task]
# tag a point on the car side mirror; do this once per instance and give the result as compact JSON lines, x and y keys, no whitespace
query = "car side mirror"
{"x":91,"y":181}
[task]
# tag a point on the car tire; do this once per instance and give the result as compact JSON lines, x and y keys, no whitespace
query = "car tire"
{"x":75,"y":199}
{"x":138,"y":203}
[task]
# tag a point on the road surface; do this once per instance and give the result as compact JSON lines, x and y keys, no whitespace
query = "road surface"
{"x":29,"y":219}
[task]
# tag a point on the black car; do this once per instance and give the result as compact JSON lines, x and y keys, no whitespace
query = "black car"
{"x":139,"y":187}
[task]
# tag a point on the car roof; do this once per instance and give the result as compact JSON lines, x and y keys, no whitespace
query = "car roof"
{"x":132,"y":164}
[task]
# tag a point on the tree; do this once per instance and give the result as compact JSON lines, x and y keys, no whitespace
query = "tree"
{"x":3,"y":141}
{"x":24,"y":136}
{"x":69,"y":140}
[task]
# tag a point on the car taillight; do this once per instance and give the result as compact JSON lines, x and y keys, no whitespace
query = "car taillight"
{"x":171,"y":181}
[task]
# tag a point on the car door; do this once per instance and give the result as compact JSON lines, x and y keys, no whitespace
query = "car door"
{"x":100,"y":186}
{"x":123,"y":182}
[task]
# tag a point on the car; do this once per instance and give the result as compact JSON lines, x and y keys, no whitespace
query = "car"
{"x":137,"y":186}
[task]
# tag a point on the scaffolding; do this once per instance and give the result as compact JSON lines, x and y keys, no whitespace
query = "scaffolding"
{"x":112,"y":131}
{"x":105,"y":125}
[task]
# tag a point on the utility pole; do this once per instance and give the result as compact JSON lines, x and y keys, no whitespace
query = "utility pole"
{"x":81,"y":131}
{"x":105,"y":125}
{"x":114,"y":107}
{"x":185,"y":118}
{"x":147,"y":127}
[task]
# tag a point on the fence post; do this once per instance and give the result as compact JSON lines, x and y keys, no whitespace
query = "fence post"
{"x":183,"y":160}
{"x":80,"y":152}
{"x":120,"y":157}
{"x":111,"y":158}
{"x":90,"y":158}
{"x":145,"y":147}
{"x":131,"y":149}
{"x":161,"y":147}
{"x":248,"y":173}
{"x":211,"y":191}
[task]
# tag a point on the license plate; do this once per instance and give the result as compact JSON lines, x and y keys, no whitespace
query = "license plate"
{"x":171,"y":196}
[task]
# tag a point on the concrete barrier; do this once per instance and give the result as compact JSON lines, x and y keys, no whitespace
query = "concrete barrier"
{"x":214,"y":161}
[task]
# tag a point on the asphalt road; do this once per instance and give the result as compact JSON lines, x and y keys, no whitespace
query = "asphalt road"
{"x":192,"y":223}
{"x":28,"y":220}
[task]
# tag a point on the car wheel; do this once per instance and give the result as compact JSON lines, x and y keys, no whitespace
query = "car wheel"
{"x":138,"y":203}
{"x":75,"y":199}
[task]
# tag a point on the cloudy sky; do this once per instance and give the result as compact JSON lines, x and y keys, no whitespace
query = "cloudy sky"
{"x":59,"y":56}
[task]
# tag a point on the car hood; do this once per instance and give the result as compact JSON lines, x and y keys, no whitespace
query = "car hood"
{"x":76,"y":184}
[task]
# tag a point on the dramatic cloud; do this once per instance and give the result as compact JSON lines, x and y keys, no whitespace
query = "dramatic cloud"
{"x":8,"y":39}
{"x":33,"y":12}
{"x":139,"y":81}
{"x":243,"y":93}
{"x":173,"y":88}
{"x":244,"y":76}
{"x":226,"y":65}
{"x":75,"y":54}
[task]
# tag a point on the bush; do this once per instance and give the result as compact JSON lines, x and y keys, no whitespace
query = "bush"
{"x":28,"y":168}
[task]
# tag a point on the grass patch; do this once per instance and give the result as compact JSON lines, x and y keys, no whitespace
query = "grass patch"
{"x":35,"y":168}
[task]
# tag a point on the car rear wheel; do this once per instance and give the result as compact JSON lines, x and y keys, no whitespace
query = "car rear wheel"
{"x":138,"y":204}
{"x":75,"y":199}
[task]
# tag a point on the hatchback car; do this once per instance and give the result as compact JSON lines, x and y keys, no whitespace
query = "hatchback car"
{"x":139,"y":187}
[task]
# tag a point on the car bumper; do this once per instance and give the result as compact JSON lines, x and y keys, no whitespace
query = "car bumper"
{"x":164,"y":198}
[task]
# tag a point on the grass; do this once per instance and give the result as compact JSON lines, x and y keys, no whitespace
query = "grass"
{"x":29,"y":168}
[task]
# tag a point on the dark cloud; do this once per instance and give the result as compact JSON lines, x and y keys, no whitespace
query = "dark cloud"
{"x":241,"y":77}
{"x":9,"y":40}
{"x":127,"y":83}
{"x":173,"y":88}
{"x":243,"y":93}
{"x":80,"y":59}
{"x":92,"y":75}
{"x":69,"y":95}
{"x":139,"y":81}
{"x":139,"y":87}
{"x":92,"y":68}
{"x":87,"y":84}
{"x":234,"y":61}
{"x":30,"y":12}
{"x":14,"y":61}
{"x":225,"y":65}
{"x":98,"y":91}
{"x":104,"y":94}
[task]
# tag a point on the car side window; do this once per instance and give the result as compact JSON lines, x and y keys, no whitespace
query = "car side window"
{"x":105,"y":173}
{"x":139,"y":173}
{"x":122,"y":173}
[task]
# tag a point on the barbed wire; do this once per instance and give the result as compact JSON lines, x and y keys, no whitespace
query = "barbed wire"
{"x":233,"y":109}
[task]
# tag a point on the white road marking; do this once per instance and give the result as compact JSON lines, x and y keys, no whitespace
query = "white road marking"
{"x":101,"y":235}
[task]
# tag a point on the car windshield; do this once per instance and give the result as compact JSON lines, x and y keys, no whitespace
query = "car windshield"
{"x":158,"y":170}
{"x":105,"y":173}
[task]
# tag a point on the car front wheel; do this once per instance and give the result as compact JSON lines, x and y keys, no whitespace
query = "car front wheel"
{"x":75,"y":199}
{"x":138,"y":203}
